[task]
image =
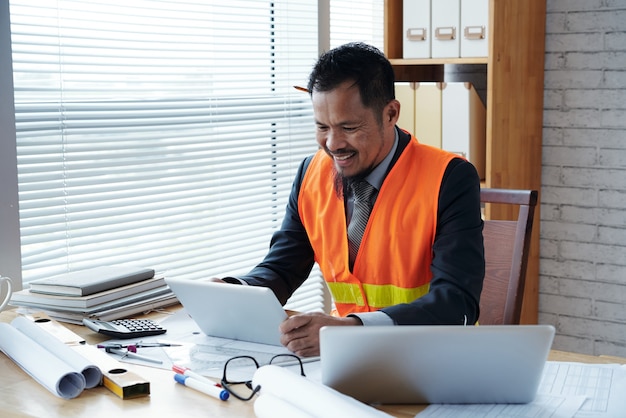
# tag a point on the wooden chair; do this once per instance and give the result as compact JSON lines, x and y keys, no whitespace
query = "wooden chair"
{"x":507,"y":244}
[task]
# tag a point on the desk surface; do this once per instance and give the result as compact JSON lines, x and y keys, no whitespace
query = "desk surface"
{"x":21,"y":396}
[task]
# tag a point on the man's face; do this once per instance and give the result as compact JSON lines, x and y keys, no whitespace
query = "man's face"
{"x":349,"y":132}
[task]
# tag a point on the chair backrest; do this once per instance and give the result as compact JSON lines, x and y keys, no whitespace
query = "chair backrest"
{"x":507,"y":244}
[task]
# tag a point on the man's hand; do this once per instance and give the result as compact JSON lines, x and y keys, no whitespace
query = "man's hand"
{"x":301,"y":333}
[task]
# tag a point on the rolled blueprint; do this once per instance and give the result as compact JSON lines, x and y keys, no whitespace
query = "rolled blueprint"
{"x":269,"y":406}
{"x":46,"y":368}
{"x":305,"y":395}
{"x":91,"y":372}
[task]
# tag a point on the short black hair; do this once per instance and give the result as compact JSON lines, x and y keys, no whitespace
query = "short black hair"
{"x":366,"y":65}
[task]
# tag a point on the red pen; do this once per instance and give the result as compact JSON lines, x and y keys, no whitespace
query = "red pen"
{"x":200,"y":386}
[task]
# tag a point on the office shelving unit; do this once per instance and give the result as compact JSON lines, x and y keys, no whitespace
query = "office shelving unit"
{"x":515,"y":69}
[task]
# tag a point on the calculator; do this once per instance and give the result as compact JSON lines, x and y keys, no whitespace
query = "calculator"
{"x":125,"y":328}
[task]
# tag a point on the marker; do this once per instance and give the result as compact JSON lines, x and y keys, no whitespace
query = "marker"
{"x":200,"y":386}
{"x":189,"y":373}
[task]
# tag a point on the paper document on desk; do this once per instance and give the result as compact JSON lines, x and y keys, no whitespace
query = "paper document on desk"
{"x":206,"y":355}
{"x":567,"y":390}
{"x":201,"y":353}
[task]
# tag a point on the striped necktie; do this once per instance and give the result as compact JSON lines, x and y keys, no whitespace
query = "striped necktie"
{"x":362,"y":192}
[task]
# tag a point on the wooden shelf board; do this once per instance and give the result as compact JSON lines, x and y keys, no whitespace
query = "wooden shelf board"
{"x":438,"y":61}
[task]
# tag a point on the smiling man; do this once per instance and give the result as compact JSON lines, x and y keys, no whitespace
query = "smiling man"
{"x":394,"y":225}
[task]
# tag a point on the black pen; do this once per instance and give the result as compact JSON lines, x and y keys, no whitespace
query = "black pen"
{"x":138,"y":345}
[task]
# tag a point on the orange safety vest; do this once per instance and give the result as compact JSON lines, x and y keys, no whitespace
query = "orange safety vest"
{"x":393,"y":262}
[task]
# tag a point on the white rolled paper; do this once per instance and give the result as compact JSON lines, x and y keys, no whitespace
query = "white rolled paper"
{"x":47,"y":369}
{"x":307,"y":396}
{"x":269,"y":406}
{"x":91,"y":372}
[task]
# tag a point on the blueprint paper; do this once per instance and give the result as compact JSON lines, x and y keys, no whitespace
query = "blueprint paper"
{"x":603,"y":386}
{"x":567,"y":390}
{"x":46,"y":368}
{"x":91,"y":372}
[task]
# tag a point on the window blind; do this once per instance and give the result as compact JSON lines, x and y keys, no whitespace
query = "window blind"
{"x":353,"y":20}
{"x":164,"y":133}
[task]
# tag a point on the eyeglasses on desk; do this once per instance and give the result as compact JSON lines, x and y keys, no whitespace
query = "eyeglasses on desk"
{"x":236,"y":368}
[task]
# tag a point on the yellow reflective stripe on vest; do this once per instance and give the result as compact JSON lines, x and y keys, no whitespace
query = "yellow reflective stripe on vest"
{"x":346,"y":293}
{"x":378,"y":296}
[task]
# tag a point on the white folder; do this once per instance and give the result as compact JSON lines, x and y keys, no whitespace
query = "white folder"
{"x":464,"y":124}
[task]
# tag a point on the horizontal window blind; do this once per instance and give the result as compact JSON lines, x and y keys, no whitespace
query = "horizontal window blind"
{"x":163,"y":133}
{"x":354,"y":20}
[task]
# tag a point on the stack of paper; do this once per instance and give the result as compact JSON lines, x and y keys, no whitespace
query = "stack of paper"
{"x":105,"y":293}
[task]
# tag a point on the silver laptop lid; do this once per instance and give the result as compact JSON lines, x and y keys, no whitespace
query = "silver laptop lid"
{"x":435,"y":364}
{"x":239,"y":312}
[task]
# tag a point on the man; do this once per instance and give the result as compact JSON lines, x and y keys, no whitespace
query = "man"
{"x":420,"y":258}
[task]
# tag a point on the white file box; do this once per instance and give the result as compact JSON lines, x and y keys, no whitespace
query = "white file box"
{"x":463,"y":129}
{"x":416,"y":37}
{"x":475,"y":28}
{"x":446,"y":18}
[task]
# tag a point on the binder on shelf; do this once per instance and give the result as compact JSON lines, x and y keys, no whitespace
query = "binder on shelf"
{"x":416,"y":40}
{"x":428,"y":102}
{"x":475,"y":28}
{"x":450,"y":116}
{"x":463,"y":127}
{"x":405,"y":94}
{"x":420,"y":110}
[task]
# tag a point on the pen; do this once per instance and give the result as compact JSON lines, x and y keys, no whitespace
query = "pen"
{"x":130,"y":354}
{"x":200,"y":386}
{"x":137,"y":345}
{"x":189,"y":373}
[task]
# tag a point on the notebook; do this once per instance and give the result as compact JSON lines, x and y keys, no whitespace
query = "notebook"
{"x":435,"y":364}
{"x":239,"y":312}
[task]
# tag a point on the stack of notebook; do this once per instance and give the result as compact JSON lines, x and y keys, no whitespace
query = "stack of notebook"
{"x":105,"y":293}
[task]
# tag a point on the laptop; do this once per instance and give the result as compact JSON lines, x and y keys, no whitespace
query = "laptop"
{"x":238,"y":312}
{"x":435,"y":364}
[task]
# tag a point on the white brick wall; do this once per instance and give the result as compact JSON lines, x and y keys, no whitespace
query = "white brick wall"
{"x":583,"y":196}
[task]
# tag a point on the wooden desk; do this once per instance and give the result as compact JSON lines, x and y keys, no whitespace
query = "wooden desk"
{"x":21,"y":396}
